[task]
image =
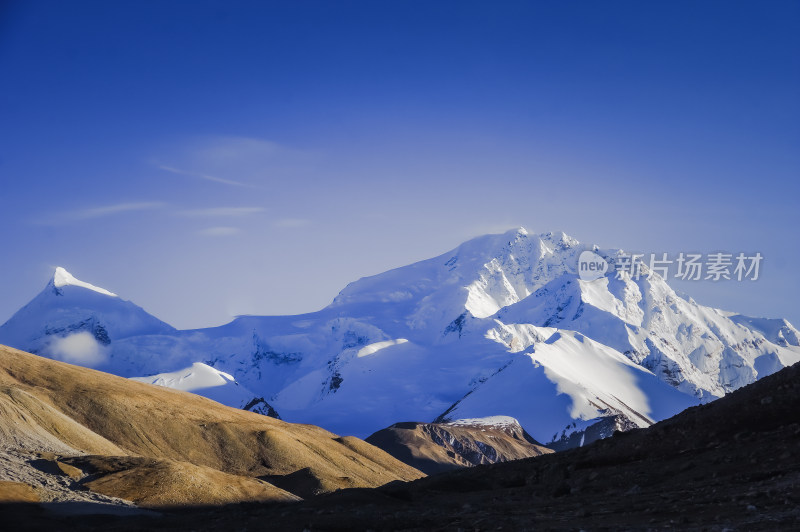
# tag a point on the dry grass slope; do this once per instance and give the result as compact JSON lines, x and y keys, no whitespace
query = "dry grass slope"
{"x":153,"y":483}
{"x":12,"y":492}
{"x":50,"y":406}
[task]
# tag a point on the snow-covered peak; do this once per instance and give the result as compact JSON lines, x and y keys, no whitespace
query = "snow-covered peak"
{"x":558,"y":237}
{"x":477,"y":278}
{"x":63,"y":278}
{"x":196,"y":377}
{"x":202,"y":379}
{"x":517,"y":232}
{"x":77,"y":322}
{"x":501,"y":324}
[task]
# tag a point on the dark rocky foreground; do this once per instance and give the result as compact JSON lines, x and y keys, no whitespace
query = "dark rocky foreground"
{"x":733,"y":464}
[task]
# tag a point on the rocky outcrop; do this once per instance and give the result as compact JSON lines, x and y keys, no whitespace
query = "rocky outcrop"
{"x":436,"y":447}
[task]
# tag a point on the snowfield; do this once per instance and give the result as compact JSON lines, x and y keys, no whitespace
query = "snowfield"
{"x":204,"y":380}
{"x":500,"y":326}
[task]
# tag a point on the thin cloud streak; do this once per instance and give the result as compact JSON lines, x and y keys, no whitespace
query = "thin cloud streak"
{"x":204,"y":176}
{"x":219,"y":231}
{"x":101,"y":212}
{"x":223,"y":211}
{"x":108,"y":210}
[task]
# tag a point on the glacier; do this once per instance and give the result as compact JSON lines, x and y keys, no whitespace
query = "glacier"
{"x":502,"y":325}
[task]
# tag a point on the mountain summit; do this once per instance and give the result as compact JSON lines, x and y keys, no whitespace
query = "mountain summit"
{"x":75,"y":321}
{"x":63,"y":278}
{"x":480,"y":276}
{"x":500,"y":325}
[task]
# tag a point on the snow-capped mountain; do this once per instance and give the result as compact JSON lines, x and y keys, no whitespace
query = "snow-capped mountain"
{"x":700,"y":350}
{"x":477,"y":279}
{"x":217,"y":385}
{"x":501,"y":325}
{"x":77,"y":322}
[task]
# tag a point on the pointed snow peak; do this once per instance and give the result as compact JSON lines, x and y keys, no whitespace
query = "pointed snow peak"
{"x":518,"y":234}
{"x":63,"y":278}
{"x":560,"y":237}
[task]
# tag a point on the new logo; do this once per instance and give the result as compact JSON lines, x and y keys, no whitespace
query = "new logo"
{"x":591,"y":266}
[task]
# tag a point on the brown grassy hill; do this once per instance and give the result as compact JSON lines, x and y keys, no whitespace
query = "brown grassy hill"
{"x":50,"y":406}
{"x":437,"y":447}
{"x":16,"y":492}
{"x":152,"y":483}
{"x":733,"y":464}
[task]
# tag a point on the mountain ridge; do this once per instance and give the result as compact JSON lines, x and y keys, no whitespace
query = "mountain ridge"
{"x":414,"y":341}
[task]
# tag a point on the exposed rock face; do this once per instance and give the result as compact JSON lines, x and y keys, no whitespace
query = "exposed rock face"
{"x":260,"y":406}
{"x":436,"y":447}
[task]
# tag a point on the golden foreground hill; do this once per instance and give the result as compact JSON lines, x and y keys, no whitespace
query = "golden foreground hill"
{"x":70,"y":433}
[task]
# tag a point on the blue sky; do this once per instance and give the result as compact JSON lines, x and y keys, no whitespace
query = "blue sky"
{"x":208,"y":159}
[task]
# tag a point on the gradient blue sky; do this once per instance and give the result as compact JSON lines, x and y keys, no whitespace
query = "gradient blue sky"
{"x":207,"y":159}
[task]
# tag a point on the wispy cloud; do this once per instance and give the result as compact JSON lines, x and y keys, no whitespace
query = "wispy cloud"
{"x":292,"y":222}
{"x":207,"y":177}
{"x":223,"y":211}
{"x":219,"y":231}
{"x":108,"y":210}
{"x":232,"y":161}
{"x":101,"y":212}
